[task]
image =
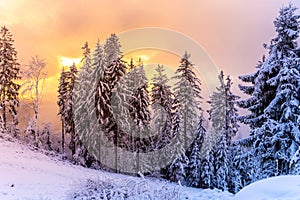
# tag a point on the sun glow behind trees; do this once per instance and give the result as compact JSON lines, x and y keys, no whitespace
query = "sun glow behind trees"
{"x":66,"y":61}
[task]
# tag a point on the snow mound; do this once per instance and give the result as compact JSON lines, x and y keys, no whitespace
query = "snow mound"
{"x":279,"y":188}
{"x":26,"y":173}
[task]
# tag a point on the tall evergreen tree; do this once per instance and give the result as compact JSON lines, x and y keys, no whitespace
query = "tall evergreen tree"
{"x":238,"y":169}
{"x":62,"y":91}
{"x":187,"y":94}
{"x":140,"y":104}
{"x":161,"y":102}
{"x":295,"y":163}
{"x":139,"y":111}
{"x":113,"y":68}
{"x":223,"y":116}
{"x":9,"y":74}
{"x":65,"y":103}
{"x":274,"y":101}
{"x":194,"y":166}
{"x":206,"y":165}
{"x":84,"y":105}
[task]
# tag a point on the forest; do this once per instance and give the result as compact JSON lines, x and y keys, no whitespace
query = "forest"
{"x":113,"y":118}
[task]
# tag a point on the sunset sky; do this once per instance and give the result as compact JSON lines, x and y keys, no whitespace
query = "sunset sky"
{"x":230,"y":31}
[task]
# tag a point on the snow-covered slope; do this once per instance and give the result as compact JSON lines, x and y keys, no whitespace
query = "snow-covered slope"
{"x":276,"y":188}
{"x":29,"y":174}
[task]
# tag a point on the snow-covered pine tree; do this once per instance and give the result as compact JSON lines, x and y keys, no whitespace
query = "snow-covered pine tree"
{"x":221,"y":164}
{"x":69,"y":118}
{"x":206,"y":171}
{"x":187,"y":94}
{"x":139,"y":110}
{"x":238,"y":169}
{"x":9,"y":74}
{"x":223,"y":116}
{"x":274,"y":105}
{"x":65,"y":103}
{"x":112,"y":50}
{"x":295,"y":163}
{"x":161,"y":102}
{"x":62,"y":91}
{"x":194,"y":166}
{"x":84,"y":91}
{"x":115,"y":70}
{"x":44,"y":139}
{"x":217,"y":116}
{"x":84,"y":105}
{"x":31,"y":132}
{"x":140,"y":104}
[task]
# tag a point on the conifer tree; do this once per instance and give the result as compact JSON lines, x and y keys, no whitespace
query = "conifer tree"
{"x":187,"y":94}
{"x":65,"y":103}
{"x":9,"y":74}
{"x":223,"y":116}
{"x":62,"y":91}
{"x":115,"y":68}
{"x":295,"y":163}
{"x":206,"y":165}
{"x":140,"y":104}
{"x":44,"y":140}
{"x":161,"y":102}
{"x":274,"y":101}
{"x":194,"y":166}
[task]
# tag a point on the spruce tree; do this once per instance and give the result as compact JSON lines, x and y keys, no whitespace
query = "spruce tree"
{"x":238,"y":169}
{"x":161,"y":102}
{"x":140,"y":104}
{"x":65,"y":103}
{"x":115,"y":68}
{"x":187,"y":94}
{"x":194,"y":166}
{"x":84,"y":97}
{"x":9,"y":74}
{"x":206,"y":171}
{"x":62,"y":92}
{"x":44,"y":139}
{"x":223,"y":116}
{"x":295,"y":163}
{"x":139,"y":112}
{"x":274,"y":101}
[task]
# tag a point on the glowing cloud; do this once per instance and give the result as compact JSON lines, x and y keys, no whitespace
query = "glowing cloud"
{"x":65,"y":61}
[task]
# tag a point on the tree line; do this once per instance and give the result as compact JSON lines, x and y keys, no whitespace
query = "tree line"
{"x":204,"y":156}
{"x":213,"y":159}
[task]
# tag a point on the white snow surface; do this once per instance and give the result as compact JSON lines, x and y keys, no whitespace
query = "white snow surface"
{"x":27,"y":174}
{"x":275,"y":188}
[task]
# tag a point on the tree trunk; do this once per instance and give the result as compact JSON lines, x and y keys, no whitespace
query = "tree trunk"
{"x":62,"y":137}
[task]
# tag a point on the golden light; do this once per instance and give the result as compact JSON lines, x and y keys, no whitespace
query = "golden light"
{"x":65,"y":61}
{"x":144,"y":57}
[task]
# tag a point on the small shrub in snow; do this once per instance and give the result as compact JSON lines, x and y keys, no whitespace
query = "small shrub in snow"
{"x":129,"y":190}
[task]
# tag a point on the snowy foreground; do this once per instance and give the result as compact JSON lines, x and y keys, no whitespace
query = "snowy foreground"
{"x":28,"y":174}
{"x":279,"y":188}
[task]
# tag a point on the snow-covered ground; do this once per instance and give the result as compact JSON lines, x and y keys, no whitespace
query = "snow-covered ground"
{"x":29,"y":174}
{"x":276,"y":188}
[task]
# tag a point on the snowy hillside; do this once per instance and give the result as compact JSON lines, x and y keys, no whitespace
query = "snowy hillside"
{"x":28,"y":174}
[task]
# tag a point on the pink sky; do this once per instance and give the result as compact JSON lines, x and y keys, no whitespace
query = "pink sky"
{"x":232,"y":31}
